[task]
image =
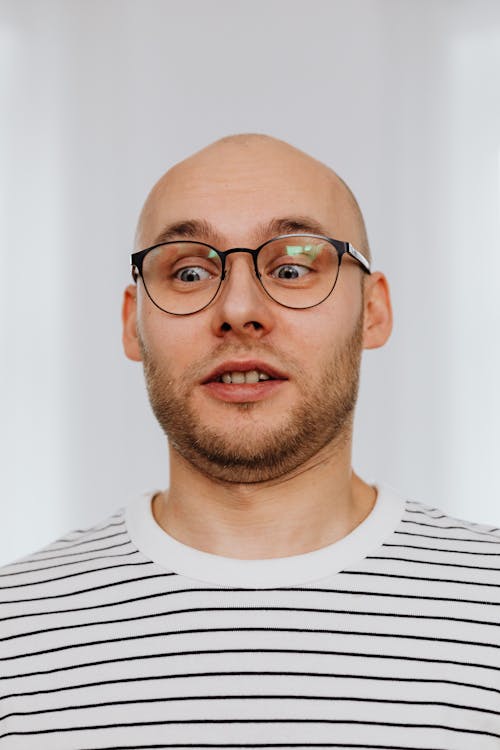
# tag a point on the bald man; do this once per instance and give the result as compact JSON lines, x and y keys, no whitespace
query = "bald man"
{"x":269,"y":597}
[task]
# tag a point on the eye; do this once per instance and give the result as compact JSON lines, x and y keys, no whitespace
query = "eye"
{"x":192,"y":273}
{"x":290,"y":271}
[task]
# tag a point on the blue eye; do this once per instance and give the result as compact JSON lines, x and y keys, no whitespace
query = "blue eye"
{"x":192,"y":273}
{"x":290,"y":271}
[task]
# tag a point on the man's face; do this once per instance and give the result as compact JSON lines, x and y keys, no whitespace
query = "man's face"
{"x":248,"y":433}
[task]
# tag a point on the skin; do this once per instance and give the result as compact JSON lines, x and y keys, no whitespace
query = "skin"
{"x":303,"y":493}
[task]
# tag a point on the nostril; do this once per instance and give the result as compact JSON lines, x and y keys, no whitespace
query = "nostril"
{"x":254,"y":323}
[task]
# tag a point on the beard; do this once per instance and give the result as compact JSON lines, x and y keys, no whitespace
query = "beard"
{"x":254,"y":451}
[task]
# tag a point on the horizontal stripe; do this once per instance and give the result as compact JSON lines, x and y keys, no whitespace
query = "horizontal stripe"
{"x":212,"y":652}
{"x":72,"y":554}
{"x":93,"y":538}
{"x":260,"y":745}
{"x":440,"y":549}
{"x":107,"y":585}
{"x":309,"y":631}
{"x":334,"y":675}
{"x":433,"y":562}
{"x":410,"y":661}
{"x":450,"y":538}
{"x":166,"y":722}
{"x":72,"y":562}
{"x":244,"y":696}
{"x":357,"y":592}
{"x":466,"y":527}
{"x":86,"y":571}
{"x":190,"y":610}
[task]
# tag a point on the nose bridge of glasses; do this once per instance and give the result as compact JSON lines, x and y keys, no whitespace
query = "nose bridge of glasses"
{"x":234,"y":250}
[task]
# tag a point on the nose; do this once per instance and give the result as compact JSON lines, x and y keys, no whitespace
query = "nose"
{"x":242,"y":306}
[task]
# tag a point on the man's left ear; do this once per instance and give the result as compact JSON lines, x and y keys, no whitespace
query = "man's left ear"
{"x":378,"y":311}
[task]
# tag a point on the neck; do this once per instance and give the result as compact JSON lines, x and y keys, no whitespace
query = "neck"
{"x":319,"y":503}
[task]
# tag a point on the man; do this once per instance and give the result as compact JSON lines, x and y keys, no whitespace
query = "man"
{"x":269,"y":597}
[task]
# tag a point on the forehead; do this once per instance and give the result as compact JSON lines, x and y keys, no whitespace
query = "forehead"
{"x":238,"y":190}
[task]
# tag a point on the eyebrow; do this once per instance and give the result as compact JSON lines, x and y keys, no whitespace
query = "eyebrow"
{"x":200,"y":229}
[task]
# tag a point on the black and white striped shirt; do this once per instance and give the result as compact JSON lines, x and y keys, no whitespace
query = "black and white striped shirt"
{"x":120,"y":636}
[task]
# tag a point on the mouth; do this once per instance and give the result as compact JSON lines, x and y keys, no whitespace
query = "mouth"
{"x":240,"y":373}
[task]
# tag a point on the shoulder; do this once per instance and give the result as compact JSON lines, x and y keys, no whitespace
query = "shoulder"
{"x":420,"y":519}
{"x":436,"y":545}
{"x":78,"y":552}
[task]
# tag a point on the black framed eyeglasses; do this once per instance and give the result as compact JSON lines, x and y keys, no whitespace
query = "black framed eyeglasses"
{"x":296,"y":270}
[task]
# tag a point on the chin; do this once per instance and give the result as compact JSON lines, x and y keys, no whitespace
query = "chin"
{"x":251,"y":453}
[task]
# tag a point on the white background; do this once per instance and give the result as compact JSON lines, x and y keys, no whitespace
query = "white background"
{"x":99,"y":98}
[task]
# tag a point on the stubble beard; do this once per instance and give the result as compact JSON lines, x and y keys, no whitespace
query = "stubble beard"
{"x":259,"y":453}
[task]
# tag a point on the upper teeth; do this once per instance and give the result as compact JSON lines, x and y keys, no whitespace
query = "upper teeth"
{"x":252,"y":376}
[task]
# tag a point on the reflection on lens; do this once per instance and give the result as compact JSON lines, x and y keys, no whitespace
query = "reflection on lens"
{"x":298,"y":271}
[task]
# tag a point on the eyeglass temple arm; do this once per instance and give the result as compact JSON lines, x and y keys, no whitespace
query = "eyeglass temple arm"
{"x":358,"y":256}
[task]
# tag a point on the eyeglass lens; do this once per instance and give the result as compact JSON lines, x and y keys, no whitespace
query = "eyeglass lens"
{"x":297,"y":271}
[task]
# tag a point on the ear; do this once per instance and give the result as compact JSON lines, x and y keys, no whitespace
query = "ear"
{"x":378,"y":311}
{"x":129,"y":319}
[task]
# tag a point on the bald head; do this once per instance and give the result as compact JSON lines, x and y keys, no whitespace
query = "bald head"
{"x":244,"y":176}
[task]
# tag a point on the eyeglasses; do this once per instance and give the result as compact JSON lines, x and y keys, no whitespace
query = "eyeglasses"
{"x":296,"y":270}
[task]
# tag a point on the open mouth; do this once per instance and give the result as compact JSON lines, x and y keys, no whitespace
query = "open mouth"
{"x":239,"y":373}
{"x":249,"y":376}
{"x":244,"y":382}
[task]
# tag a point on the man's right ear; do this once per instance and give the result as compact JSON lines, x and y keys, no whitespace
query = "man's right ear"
{"x":129,"y":319}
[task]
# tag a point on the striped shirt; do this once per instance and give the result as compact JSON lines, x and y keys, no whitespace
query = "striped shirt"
{"x":120,"y":636}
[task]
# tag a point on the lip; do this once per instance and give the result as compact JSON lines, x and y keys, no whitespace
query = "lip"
{"x":244,"y":366}
{"x":243,"y":392}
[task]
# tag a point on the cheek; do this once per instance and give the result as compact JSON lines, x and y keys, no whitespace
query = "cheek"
{"x":170,"y":341}
{"x":342,"y":317}
{"x":320,"y":331}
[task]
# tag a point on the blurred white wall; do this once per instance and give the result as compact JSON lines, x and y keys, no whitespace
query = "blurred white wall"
{"x":99,"y":97}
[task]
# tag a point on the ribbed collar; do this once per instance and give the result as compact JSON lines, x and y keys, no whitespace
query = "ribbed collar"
{"x":163,"y":549}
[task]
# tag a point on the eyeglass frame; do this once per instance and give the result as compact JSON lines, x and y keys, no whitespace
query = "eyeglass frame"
{"x":342,"y":248}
